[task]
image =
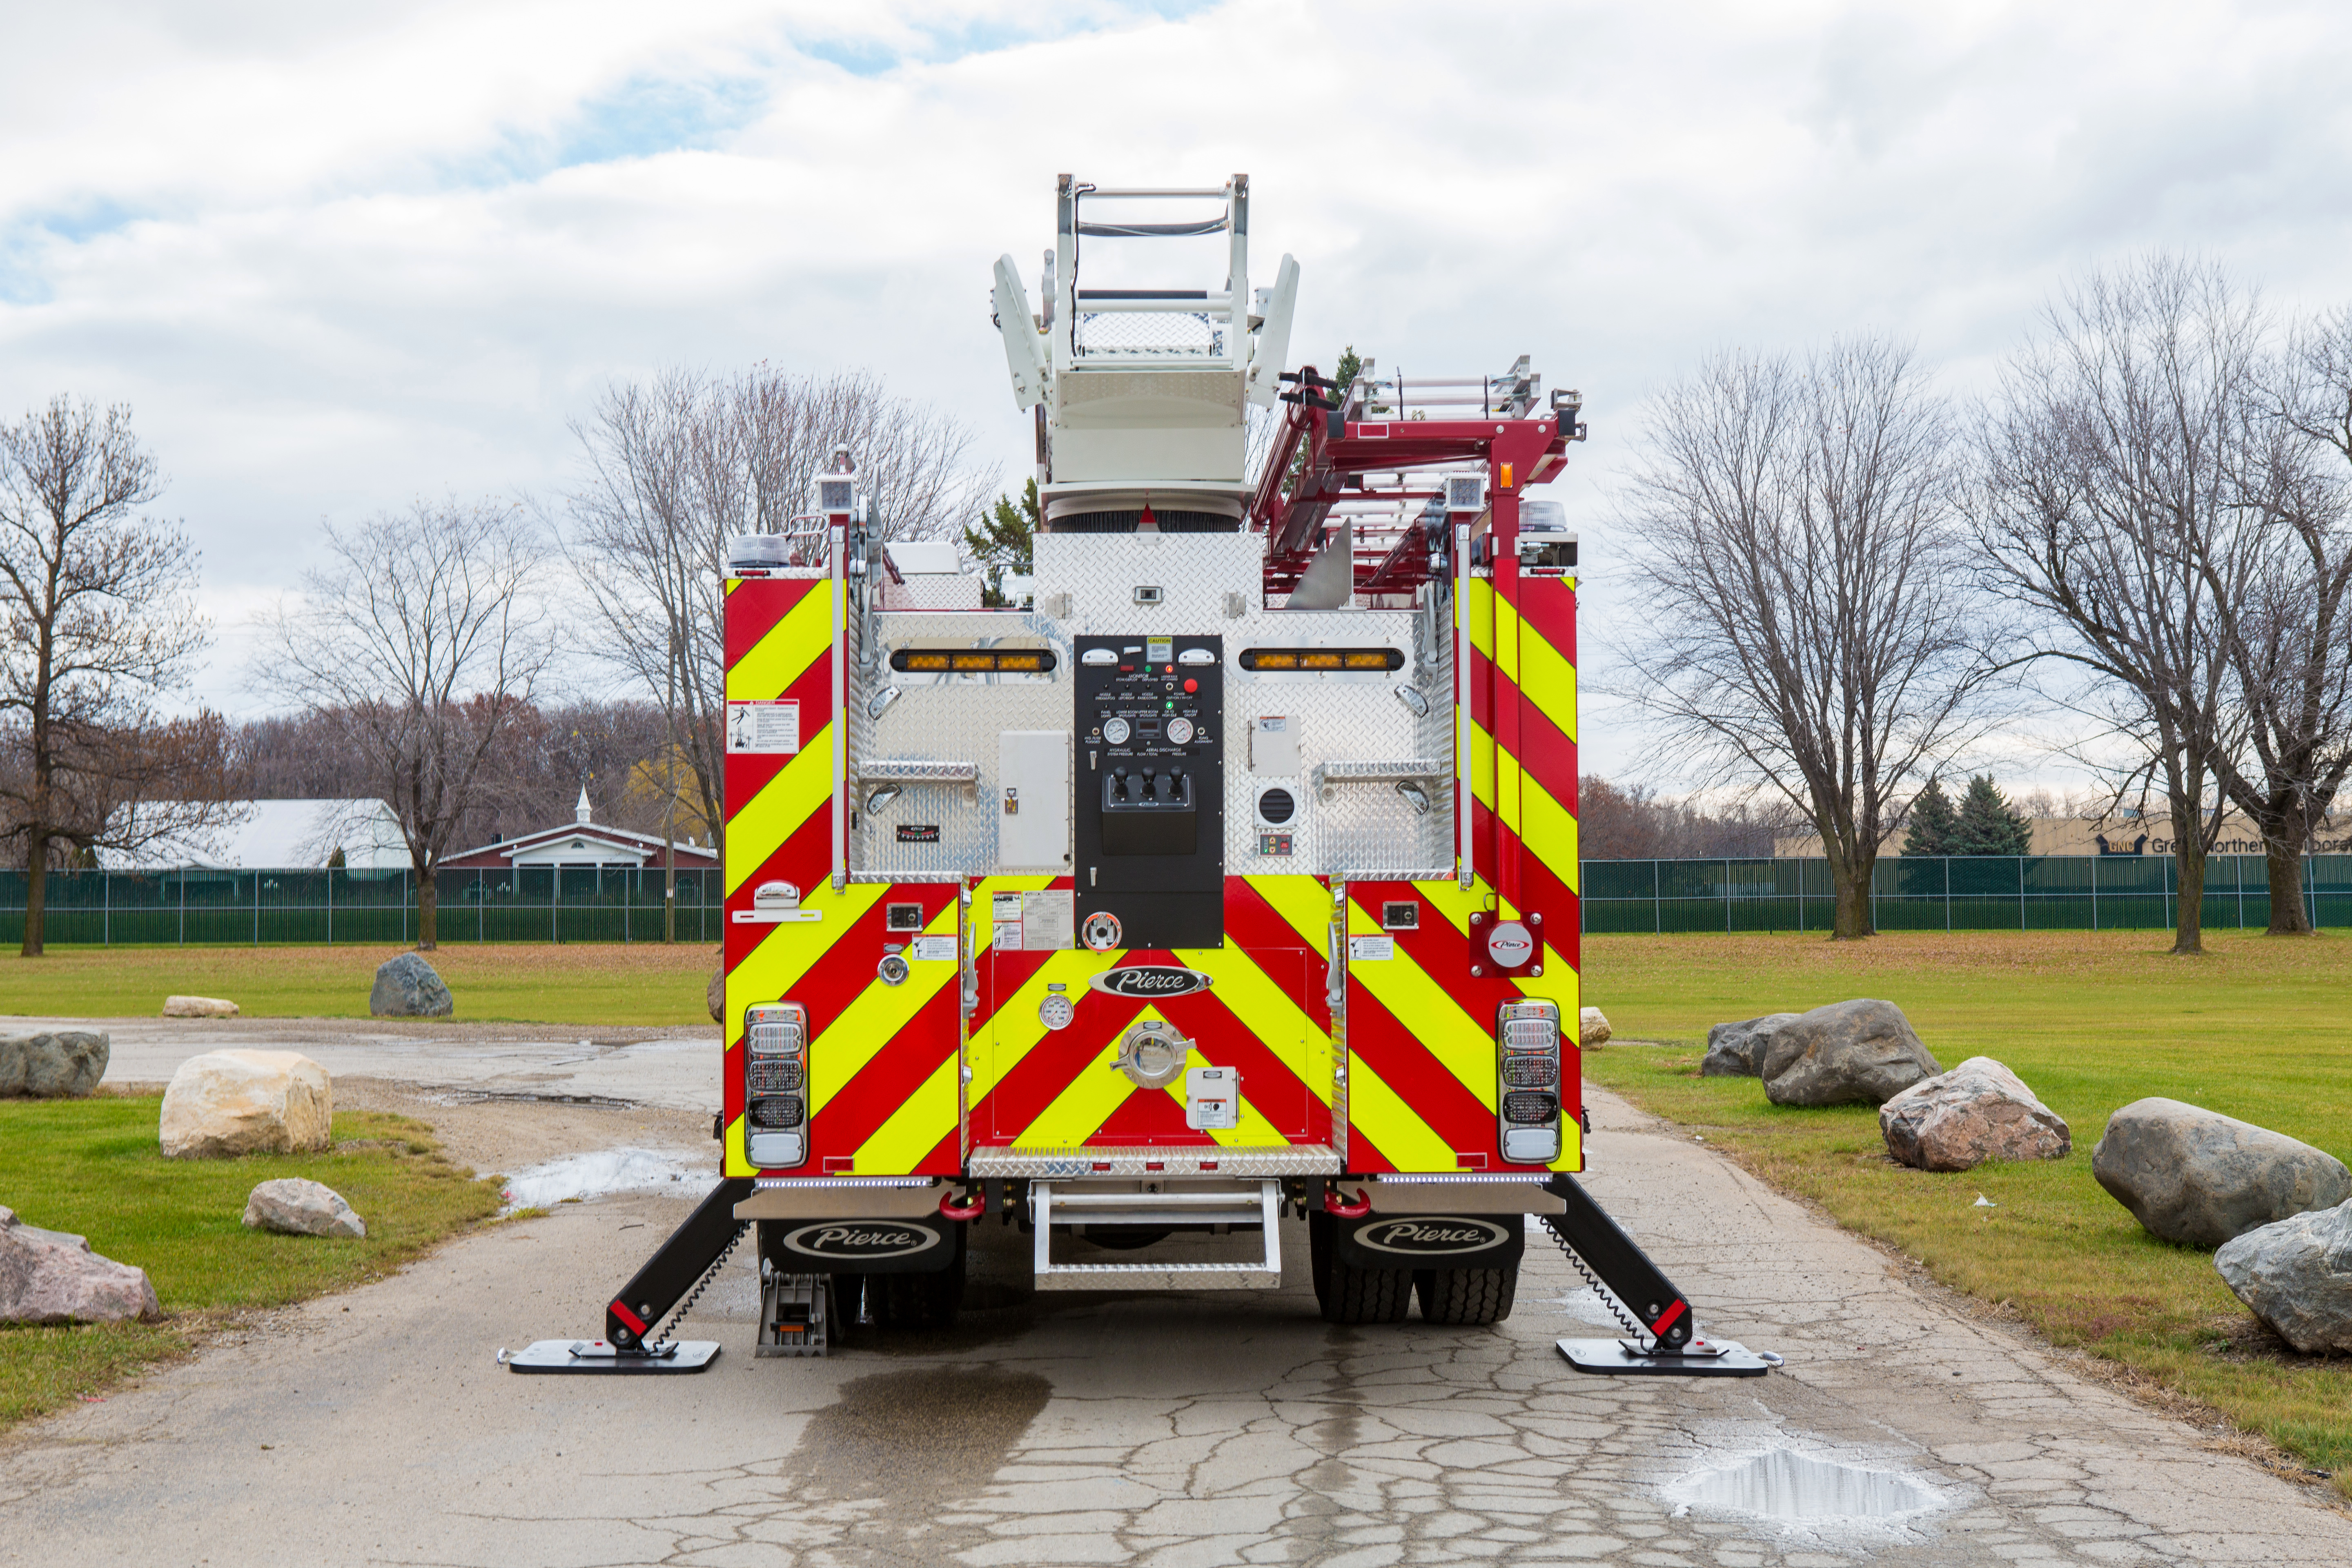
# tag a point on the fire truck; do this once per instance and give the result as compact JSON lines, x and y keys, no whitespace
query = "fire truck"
{"x":1229,"y":877}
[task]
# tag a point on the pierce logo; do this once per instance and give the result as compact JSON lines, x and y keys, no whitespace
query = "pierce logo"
{"x":1510,"y":945}
{"x":1151,"y":982}
{"x":1427,"y":1235}
{"x":852,"y":1240}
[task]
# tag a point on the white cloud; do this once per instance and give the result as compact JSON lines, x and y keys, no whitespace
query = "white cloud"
{"x":337,"y":259}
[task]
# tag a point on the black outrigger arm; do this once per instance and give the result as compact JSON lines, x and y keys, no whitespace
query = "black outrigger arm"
{"x":670,"y":1280}
{"x":1666,"y":1340}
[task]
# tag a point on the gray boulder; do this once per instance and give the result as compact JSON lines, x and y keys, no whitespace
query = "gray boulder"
{"x":1736,"y":1050}
{"x":298,"y":1207}
{"x":1847,"y":1051}
{"x":50,"y":1276}
{"x":715,"y":993}
{"x":1978,"y":1112}
{"x":61,"y":1064}
{"x":2199,"y":1177}
{"x":2295,"y":1275}
{"x":406,"y":987}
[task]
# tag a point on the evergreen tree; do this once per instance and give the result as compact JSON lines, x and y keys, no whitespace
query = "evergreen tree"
{"x":1932,"y":822}
{"x":1989,"y":824}
{"x":1004,"y":540}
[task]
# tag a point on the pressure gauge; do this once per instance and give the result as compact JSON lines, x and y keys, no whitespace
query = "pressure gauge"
{"x":1056,"y":1011}
{"x":1180,"y":731}
{"x":1115,"y":730}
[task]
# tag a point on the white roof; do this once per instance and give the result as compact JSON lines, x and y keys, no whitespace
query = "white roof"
{"x":283,"y":833}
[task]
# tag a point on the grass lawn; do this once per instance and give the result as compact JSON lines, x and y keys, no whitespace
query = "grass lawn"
{"x":92,"y":1166}
{"x":640,"y":983}
{"x":2257,"y":1029}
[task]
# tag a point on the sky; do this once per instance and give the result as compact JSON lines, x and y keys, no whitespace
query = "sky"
{"x":336,"y":259}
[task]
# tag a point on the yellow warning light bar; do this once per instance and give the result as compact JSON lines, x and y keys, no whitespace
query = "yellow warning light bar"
{"x":1322,"y":659}
{"x":972,"y":661}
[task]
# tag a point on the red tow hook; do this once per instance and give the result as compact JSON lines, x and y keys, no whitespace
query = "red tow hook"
{"x":973,"y":1209}
{"x":1333,"y":1205}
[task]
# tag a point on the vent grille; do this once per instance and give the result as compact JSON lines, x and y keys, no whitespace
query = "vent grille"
{"x":1276,"y":805}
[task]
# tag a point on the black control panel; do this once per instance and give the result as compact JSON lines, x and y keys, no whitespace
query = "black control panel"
{"x":1152,"y":790}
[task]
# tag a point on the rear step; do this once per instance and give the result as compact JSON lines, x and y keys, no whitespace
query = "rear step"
{"x":1048,"y":1208}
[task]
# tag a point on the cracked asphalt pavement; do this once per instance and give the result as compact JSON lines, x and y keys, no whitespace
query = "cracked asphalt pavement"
{"x":1219,"y":1428}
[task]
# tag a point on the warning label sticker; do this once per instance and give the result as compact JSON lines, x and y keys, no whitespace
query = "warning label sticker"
{"x":755,"y":727}
{"x":1049,"y":922}
{"x":934,"y":950}
{"x":1370,"y":949}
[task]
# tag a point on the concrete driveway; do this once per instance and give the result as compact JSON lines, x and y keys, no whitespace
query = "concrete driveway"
{"x":1215,"y":1428}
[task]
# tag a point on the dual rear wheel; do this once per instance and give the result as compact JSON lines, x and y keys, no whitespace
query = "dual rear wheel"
{"x":1467,"y":1297}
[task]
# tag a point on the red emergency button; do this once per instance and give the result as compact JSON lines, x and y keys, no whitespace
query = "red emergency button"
{"x":1191,"y":686}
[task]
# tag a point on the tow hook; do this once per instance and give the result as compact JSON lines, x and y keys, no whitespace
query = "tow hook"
{"x":1333,"y":1203}
{"x":974,"y":1205}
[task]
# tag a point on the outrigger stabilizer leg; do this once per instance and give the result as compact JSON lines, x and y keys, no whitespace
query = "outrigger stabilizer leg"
{"x":662,"y":1290}
{"x":1666,"y":1341}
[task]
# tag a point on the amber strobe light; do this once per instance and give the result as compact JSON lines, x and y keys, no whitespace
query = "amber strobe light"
{"x":973,"y":661}
{"x":1322,"y":659}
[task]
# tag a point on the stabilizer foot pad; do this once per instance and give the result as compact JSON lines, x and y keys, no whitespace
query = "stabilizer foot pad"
{"x":1623,"y":1358}
{"x":599,"y":1357}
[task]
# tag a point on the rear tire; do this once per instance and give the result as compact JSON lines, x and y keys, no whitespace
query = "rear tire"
{"x":1466,"y":1296}
{"x":1354,"y":1295}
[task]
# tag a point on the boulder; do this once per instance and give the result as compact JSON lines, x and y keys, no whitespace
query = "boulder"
{"x":2295,"y":1275}
{"x":1847,"y":1051}
{"x":716,"y":994}
{"x":2199,"y":1177}
{"x":1592,"y":1027}
{"x":298,"y":1207}
{"x":198,"y":1007}
{"x":241,"y":1102}
{"x":56,"y":1064}
{"x":1736,"y":1050}
{"x":1978,"y":1112}
{"x":49,"y":1277}
{"x":406,"y":987}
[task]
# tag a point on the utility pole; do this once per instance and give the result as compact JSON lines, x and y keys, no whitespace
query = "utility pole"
{"x":669,"y":794}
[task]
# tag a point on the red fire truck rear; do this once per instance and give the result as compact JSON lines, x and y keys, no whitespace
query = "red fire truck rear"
{"x":1228,"y":875}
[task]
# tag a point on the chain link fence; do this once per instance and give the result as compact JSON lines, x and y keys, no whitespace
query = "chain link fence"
{"x":1992,"y":892}
{"x":202,"y":906}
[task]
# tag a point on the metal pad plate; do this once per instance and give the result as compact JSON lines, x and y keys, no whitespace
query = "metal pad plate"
{"x":1618,"y":1357}
{"x":598,"y":1356}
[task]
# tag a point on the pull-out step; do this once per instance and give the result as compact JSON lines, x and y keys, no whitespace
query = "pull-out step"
{"x":1065,"y":1206}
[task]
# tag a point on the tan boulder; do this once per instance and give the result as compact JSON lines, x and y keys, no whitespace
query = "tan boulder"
{"x":226,"y":1103}
{"x":198,"y":1007}
{"x":1592,"y":1027}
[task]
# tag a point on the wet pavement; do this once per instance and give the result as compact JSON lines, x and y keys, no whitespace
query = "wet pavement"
{"x":1212,"y":1429}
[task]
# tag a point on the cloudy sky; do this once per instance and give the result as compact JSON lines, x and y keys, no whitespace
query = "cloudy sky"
{"x":336,"y":257}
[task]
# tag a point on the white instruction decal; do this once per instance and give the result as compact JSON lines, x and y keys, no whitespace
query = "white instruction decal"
{"x":935,"y":950}
{"x":1007,"y":937}
{"x":1049,"y":922}
{"x":1370,"y":949}
{"x":763,"y":726}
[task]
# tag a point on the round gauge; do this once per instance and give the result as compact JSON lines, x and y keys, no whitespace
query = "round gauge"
{"x":1056,"y":1011}
{"x":1180,"y":731}
{"x":1115,"y":730}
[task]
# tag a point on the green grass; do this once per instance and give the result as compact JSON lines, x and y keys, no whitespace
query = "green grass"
{"x":92,"y":1166}
{"x":2257,"y":1029}
{"x":640,"y":984}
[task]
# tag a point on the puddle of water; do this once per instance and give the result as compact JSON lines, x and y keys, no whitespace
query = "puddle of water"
{"x":1797,"y":1489}
{"x":604,"y":1171}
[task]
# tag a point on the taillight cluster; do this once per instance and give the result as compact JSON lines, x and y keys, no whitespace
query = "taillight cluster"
{"x":775,"y":1074}
{"x":1526,"y":1037}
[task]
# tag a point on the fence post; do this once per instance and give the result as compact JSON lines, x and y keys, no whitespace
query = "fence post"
{"x":1657,"y":909}
{"x":1946,"y":861}
{"x":256,"y":908}
{"x":184,"y":906}
{"x":2021,"y":892}
{"x":106,"y":905}
{"x":1726,"y":895}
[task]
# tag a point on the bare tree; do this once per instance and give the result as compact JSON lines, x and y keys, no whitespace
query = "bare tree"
{"x":2114,"y":462}
{"x":1808,"y":618}
{"x":421,"y":644}
{"x":679,"y":464}
{"x":2289,"y":639}
{"x":97,"y":617}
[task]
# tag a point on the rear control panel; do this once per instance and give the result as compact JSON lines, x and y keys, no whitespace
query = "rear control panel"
{"x":1151,"y":820}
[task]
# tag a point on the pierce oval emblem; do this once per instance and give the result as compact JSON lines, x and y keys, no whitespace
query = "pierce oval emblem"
{"x":1431,"y":1236}
{"x":860,"y":1239}
{"x":1151,"y":982}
